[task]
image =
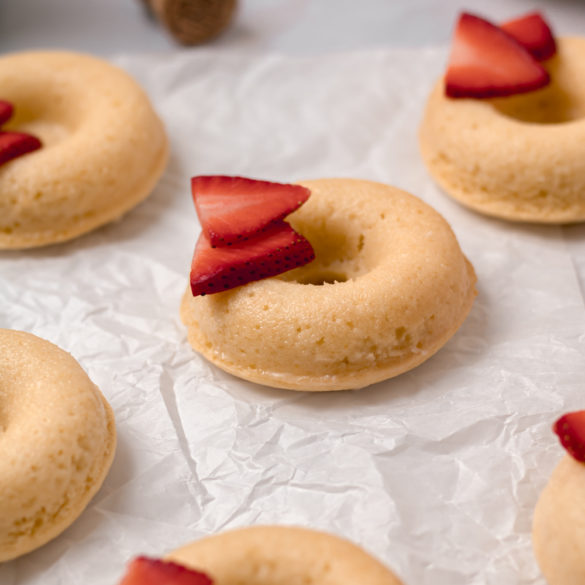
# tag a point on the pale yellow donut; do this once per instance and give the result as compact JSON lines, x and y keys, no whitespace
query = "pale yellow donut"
{"x":57,"y":441}
{"x":104,"y":148}
{"x":282,"y":555}
{"x":559,"y":525}
{"x":389,"y":286}
{"x":518,"y":158}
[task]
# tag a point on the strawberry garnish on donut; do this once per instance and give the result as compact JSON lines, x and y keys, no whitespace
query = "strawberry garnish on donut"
{"x":231,"y":209}
{"x":14,"y":144}
{"x":533,"y":33}
{"x":570,"y":429}
{"x":244,"y":237}
{"x":147,"y":571}
{"x":486,"y":62}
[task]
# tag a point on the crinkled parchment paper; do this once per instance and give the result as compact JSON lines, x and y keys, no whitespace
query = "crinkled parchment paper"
{"x":436,"y":472}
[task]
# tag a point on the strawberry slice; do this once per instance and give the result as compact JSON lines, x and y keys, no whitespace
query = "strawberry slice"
{"x":486,"y":62}
{"x":571,"y":431}
{"x":277,"y":249}
{"x":13,"y":144}
{"x":147,"y":571}
{"x":6,"y":110}
{"x":533,"y":33}
{"x":232,"y":209}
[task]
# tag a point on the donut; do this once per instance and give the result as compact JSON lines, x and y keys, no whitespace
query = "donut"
{"x":517,"y":158}
{"x":388,"y":287}
{"x":558,"y":532}
{"x":282,"y":555}
{"x":104,"y":148}
{"x":57,"y":441}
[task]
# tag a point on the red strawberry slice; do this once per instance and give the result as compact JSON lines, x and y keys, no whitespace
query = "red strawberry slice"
{"x":232,"y":209}
{"x":571,"y":431}
{"x":486,"y":62}
{"x":533,"y":33}
{"x":13,"y":144}
{"x":274,"y":251}
{"x":6,"y":110}
{"x":146,"y":571}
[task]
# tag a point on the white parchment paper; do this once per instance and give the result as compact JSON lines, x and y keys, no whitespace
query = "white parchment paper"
{"x":436,"y":472}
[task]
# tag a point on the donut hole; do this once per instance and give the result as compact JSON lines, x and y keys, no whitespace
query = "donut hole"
{"x":320,"y":277}
{"x":562,"y":101}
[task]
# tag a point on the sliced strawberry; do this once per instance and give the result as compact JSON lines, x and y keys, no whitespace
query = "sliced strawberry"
{"x":533,"y":33}
{"x":13,"y":144}
{"x":146,"y":571}
{"x":487,"y":62}
{"x":277,"y":249}
{"x":6,"y":110}
{"x":571,"y":431}
{"x":231,"y":209}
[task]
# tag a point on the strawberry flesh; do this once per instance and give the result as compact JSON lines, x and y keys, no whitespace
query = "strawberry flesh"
{"x":147,"y":571}
{"x":6,"y":110}
{"x":487,"y":62}
{"x":274,"y":251}
{"x":533,"y":33}
{"x":571,"y":431}
{"x":232,"y":209}
{"x":14,"y":144}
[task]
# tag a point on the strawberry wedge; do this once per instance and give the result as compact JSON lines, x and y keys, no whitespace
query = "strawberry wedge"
{"x":571,"y":431}
{"x":533,"y":33}
{"x":277,"y":249}
{"x":232,"y":209}
{"x":146,"y":571}
{"x":486,"y":62}
{"x":6,"y":110}
{"x":14,"y":144}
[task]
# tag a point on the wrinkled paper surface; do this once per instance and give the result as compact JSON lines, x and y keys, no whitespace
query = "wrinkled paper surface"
{"x":436,"y":472}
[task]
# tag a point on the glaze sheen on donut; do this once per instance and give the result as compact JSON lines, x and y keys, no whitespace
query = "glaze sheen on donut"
{"x":282,"y":555}
{"x":517,"y":158}
{"x":104,"y":148}
{"x":389,"y":286}
{"x":57,"y":441}
{"x":559,"y":525}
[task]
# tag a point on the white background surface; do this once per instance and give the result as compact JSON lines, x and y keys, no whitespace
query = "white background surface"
{"x":437,"y":471}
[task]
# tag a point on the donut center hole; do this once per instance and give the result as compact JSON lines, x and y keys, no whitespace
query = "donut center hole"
{"x":563,"y":100}
{"x":321,"y":277}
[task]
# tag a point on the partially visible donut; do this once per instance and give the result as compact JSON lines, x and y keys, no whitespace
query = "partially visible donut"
{"x":517,"y":158}
{"x":282,"y":555}
{"x":104,"y":148}
{"x":559,"y":525}
{"x":388,"y":287}
{"x":57,"y":441}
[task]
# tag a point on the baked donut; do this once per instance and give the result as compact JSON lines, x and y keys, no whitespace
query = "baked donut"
{"x":388,"y":287}
{"x":104,"y":148}
{"x":559,"y":525}
{"x":519,"y":157}
{"x":57,"y":441}
{"x":282,"y":555}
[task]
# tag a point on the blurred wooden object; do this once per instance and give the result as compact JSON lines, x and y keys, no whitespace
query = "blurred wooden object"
{"x":192,"y":22}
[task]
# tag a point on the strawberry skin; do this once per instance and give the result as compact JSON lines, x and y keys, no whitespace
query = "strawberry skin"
{"x":274,"y":251}
{"x":571,"y":431}
{"x":486,"y":62}
{"x":232,"y":209}
{"x":533,"y":33}
{"x":6,"y":110}
{"x":14,"y":144}
{"x":146,"y":571}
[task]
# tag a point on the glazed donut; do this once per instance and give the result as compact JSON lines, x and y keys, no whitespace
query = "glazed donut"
{"x":57,"y":441}
{"x":559,"y":525}
{"x":517,"y":158}
{"x":282,"y":555}
{"x":104,"y":148}
{"x":388,"y":287}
